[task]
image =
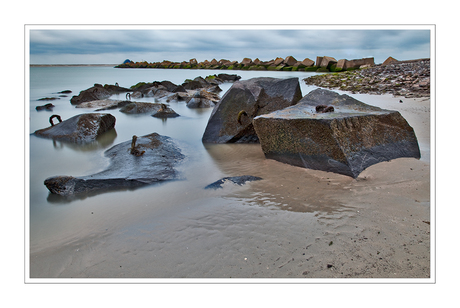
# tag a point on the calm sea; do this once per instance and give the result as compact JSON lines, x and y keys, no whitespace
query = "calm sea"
{"x":54,"y":220}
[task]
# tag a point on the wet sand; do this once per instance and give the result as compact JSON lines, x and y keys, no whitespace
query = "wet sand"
{"x":295,"y":223}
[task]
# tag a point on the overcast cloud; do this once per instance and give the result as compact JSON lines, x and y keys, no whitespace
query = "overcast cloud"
{"x":153,"y":45}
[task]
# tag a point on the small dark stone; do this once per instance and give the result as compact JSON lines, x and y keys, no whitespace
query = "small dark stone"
{"x":320,"y":108}
{"x":48,"y":98}
{"x":48,"y":106}
{"x":329,"y":265}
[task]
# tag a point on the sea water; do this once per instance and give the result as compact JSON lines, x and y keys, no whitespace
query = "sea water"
{"x":54,"y":220}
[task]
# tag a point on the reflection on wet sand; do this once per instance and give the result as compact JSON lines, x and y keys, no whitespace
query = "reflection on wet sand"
{"x":283,"y":186}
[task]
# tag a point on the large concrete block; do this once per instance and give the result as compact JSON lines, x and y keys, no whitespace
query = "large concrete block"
{"x":231,"y":118}
{"x":348,"y":140}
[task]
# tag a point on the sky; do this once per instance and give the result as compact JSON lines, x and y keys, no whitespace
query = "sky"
{"x":113,"y":46}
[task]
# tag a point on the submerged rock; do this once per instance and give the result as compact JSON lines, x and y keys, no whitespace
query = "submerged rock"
{"x":165,"y":112}
{"x":48,"y":107}
{"x":192,"y":85}
{"x":81,"y":128}
{"x":347,"y":140}
{"x":94,"y":93}
{"x":231,"y":118}
{"x":48,"y":99}
{"x":239,"y":180}
{"x":104,"y":104}
{"x":229,"y":77}
{"x":156,"y":89}
{"x":141,"y":107}
{"x":142,"y":161}
{"x":97,"y":92}
{"x":203,"y":99}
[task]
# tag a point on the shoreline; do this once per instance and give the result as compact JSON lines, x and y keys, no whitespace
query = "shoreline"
{"x":55,"y":65}
{"x":375,"y":226}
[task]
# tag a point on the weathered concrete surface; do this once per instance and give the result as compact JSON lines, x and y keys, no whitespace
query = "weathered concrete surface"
{"x":156,"y":164}
{"x":345,"y":64}
{"x":290,"y":60}
{"x":231,"y":118}
{"x":239,"y":180}
{"x":81,"y":128}
{"x":346,"y":141}
{"x":327,"y":62}
{"x":308,"y":62}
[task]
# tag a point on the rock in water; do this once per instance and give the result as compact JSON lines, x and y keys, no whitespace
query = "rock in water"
{"x":165,"y":112}
{"x":348,"y":140}
{"x":239,"y":180}
{"x":202,"y":99}
{"x":231,"y":118}
{"x":156,"y":109}
{"x":159,"y":155}
{"x":48,"y":107}
{"x":97,"y":92}
{"x":94,"y":93}
{"x":229,"y":77}
{"x":81,"y":128}
{"x":140,"y":107}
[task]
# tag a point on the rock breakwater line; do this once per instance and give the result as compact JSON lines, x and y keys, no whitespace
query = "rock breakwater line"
{"x":322,"y":64}
{"x":400,"y":78}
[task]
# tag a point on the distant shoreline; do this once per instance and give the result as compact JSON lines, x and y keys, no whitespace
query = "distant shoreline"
{"x":41,"y":65}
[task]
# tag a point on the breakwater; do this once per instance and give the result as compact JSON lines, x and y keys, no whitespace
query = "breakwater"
{"x":322,"y":64}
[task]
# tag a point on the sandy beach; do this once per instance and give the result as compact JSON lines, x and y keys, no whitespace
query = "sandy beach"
{"x":295,"y":223}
